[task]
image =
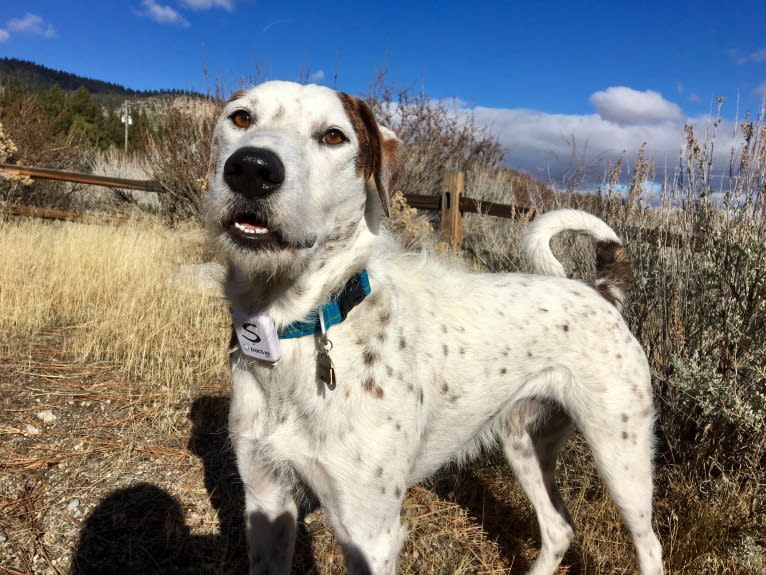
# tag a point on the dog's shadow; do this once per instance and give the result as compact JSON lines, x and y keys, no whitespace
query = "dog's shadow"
{"x":142,"y":529}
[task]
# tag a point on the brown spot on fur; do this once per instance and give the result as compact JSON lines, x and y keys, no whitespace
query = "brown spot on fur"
{"x":371,"y":357}
{"x":446,"y":350}
{"x":402,"y":343}
{"x":372,"y":388}
{"x":279,"y":114}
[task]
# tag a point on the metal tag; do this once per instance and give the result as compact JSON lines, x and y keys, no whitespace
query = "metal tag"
{"x":325,"y":369}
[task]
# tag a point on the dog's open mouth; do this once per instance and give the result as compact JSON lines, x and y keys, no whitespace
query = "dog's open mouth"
{"x":251,"y":232}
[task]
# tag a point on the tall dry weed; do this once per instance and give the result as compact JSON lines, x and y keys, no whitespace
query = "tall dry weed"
{"x":111,"y":289}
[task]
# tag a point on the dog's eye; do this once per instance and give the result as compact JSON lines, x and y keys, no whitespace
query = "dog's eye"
{"x":333,"y":137}
{"x":241,"y":119}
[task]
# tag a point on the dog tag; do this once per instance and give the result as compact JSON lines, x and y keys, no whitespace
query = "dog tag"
{"x":256,"y":335}
{"x":325,"y":369}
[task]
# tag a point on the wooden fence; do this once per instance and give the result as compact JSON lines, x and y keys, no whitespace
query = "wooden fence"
{"x":451,"y":203}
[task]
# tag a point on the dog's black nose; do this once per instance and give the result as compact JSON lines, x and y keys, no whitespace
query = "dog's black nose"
{"x":254,"y":172}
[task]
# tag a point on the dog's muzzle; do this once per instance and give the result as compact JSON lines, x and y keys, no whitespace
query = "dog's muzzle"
{"x":254,"y":174}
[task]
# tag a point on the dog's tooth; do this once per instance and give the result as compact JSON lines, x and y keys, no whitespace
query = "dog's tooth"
{"x":251,"y":229}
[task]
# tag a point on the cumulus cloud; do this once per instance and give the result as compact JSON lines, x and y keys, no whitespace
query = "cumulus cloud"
{"x":163,"y":14}
{"x":626,"y":106}
{"x":227,"y":5}
{"x":549,"y":146}
{"x":27,"y":24}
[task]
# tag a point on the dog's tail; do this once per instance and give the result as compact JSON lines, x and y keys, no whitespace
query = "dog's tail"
{"x":612,"y":265}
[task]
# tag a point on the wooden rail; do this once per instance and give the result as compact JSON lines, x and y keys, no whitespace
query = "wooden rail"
{"x":451,"y":203}
{"x":445,"y":203}
{"x":80,"y":178}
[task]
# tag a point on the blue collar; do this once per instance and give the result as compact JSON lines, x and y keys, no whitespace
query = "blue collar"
{"x":333,"y":312}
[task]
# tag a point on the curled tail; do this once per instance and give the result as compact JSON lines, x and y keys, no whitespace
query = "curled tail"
{"x":612,"y":264}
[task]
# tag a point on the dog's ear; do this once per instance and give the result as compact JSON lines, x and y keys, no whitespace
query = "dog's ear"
{"x":388,"y":173}
{"x":378,"y":149}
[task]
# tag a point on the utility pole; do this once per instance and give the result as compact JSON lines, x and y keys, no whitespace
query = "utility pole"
{"x":126,"y":119}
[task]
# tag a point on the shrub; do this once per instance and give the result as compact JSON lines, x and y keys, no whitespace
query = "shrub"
{"x":180,"y":155}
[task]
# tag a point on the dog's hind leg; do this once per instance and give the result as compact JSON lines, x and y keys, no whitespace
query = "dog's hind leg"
{"x":535,"y":432}
{"x":620,"y":438}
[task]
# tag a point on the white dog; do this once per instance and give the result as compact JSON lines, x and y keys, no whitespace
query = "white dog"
{"x":358,"y":370}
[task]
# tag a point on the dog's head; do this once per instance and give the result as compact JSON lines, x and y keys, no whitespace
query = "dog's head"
{"x":296,"y":171}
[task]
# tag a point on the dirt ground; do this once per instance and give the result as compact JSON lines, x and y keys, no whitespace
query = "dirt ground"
{"x":92,"y":481}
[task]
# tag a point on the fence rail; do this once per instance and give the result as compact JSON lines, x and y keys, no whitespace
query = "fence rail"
{"x":80,"y":178}
{"x":451,"y":203}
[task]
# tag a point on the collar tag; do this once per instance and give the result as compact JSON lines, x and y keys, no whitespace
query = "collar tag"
{"x":256,"y":335}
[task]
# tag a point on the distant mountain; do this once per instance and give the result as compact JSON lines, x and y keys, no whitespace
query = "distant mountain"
{"x":36,"y":78}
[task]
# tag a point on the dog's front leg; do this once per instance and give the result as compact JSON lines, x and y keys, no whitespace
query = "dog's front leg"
{"x":270,"y":509}
{"x":270,"y":519}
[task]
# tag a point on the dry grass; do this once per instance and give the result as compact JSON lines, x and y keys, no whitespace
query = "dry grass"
{"x":111,"y":289}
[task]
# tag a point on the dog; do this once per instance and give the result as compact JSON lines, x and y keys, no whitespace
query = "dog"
{"x":358,"y":370}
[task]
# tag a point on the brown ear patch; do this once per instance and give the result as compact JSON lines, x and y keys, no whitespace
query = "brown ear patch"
{"x":366,"y":129}
{"x":236,"y":95}
{"x":374,"y":152}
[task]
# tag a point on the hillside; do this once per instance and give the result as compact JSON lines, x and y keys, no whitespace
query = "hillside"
{"x":33,"y":77}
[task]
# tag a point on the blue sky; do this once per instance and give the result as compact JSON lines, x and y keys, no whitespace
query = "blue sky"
{"x":606,"y":75}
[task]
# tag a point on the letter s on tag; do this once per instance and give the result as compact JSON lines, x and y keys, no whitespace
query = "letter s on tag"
{"x":249,"y":333}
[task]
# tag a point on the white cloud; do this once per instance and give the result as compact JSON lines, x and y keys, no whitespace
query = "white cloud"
{"x":550,"y":145}
{"x":4,"y":35}
{"x":626,"y":106}
{"x":317,"y":76}
{"x":164,"y":14}
{"x":29,"y":24}
{"x":227,"y":5}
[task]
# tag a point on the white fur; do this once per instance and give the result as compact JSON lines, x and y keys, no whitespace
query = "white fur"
{"x":431,"y":366}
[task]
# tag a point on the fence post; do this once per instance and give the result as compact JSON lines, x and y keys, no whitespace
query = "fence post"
{"x":452,"y":223}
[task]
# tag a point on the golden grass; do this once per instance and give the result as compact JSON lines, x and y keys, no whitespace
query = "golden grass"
{"x":112,"y":289}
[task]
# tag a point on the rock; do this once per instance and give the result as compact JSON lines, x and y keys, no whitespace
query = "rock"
{"x":72,"y":506}
{"x":46,"y":416}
